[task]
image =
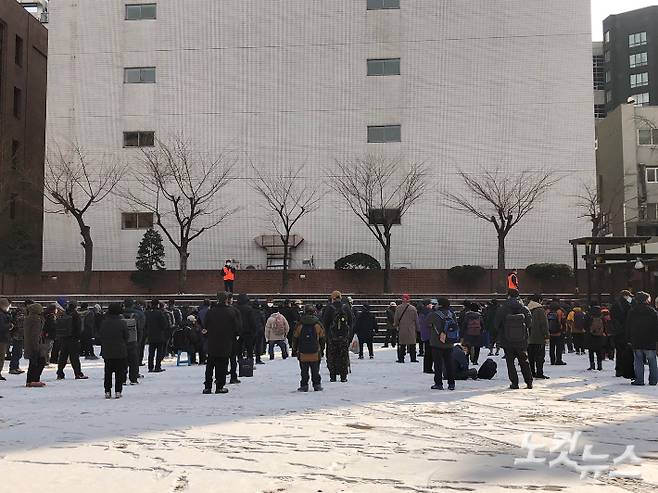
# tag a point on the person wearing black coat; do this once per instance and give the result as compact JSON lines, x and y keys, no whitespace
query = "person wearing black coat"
{"x":114,"y":349}
{"x":513,"y":317}
{"x":642,"y":333}
{"x":157,"y":328}
{"x":70,"y":345}
{"x":619,"y":313}
{"x":259,"y":337}
{"x":365,"y":327}
{"x":222,"y":328}
{"x":248,"y":316}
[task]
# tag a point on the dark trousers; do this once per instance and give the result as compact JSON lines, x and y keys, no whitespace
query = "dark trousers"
{"x":427,"y":359}
{"x":247,"y":349}
{"x":314,"y":367}
{"x":609,"y":349}
{"x":142,"y":346}
{"x":599,"y":357}
{"x":69,"y":349}
{"x":156,"y":355}
{"x":16,"y":353}
{"x":556,"y":348}
{"x":116,"y":367}
{"x":35,"y":368}
{"x":443,"y":361}
{"x":54,"y":351}
{"x":86,"y":343}
{"x":568,"y":340}
{"x":421,"y":346}
{"x":474,"y":354}
{"x":133,"y":361}
{"x":369,"y":344}
{"x":512,"y":354}
{"x":620,"y":346}
{"x":536,"y":358}
{"x":282,"y":347}
{"x":219,"y":366}
{"x":259,"y":345}
{"x":579,"y":342}
{"x":228,"y":286}
{"x":237,"y":346}
{"x":402,"y":351}
{"x":391,"y":336}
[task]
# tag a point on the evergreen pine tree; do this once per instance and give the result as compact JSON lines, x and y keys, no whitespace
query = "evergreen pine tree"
{"x":150,"y":259}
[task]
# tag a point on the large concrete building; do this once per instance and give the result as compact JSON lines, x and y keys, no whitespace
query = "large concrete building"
{"x":598,"y":77}
{"x":459,"y":84}
{"x":23,"y":70}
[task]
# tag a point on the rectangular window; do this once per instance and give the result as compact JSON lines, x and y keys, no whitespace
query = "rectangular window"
{"x":382,"y":4}
{"x":384,"y":66}
{"x":641,"y":99}
{"x":606,"y":37}
{"x":139,"y":75}
{"x":607,"y":77}
{"x":651,"y":212}
{"x":18,"y":53}
{"x":381,"y":134}
{"x":15,"y":149}
{"x":637,"y":39}
{"x":136,"y":220}
{"x":598,"y":66}
{"x":138,"y":139}
{"x":140,"y":11}
{"x":652,"y":175}
{"x":17,"y":102}
{"x":638,"y":80}
{"x":638,"y":60}
{"x":599,"y":111}
{"x":647,"y":136}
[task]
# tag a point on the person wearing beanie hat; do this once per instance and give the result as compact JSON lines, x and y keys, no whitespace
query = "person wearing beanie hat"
{"x":406,"y":323}
{"x":390,"y":329}
{"x":5,"y":328}
{"x":642,"y":324}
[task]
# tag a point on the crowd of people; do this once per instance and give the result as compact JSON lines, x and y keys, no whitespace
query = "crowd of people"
{"x":232,"y":334}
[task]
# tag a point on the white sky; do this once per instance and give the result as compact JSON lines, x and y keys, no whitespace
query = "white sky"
{"x":603,"y":8}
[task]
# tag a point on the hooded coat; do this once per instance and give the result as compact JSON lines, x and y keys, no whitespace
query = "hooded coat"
{"x":247,"y":315}
{"x":34,"y":344}
{"x":539,"y":326}
{"x":642,"y":327}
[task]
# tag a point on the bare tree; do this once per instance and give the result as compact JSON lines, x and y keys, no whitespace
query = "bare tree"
{"x":180,"y":187}
{"x":590,"y":207}
{"x":502,"y":198}
{"x":379,"y":191}
{"x":288,"y":198}
{"x":73,"y":184}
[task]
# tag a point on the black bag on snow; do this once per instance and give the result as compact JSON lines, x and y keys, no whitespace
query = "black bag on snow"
{"x":487,"y":370}
{"x":246,"y":367}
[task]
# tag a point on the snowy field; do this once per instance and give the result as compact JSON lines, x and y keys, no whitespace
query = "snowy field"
{"x":383,"y":431}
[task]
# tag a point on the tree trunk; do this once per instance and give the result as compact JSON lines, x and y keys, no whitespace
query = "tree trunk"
{"x":182,"y":270}
{"x":88,"y":246}
{"x":387,"y":263}
{"x":284,"y":279}
{"x":502,"y":274}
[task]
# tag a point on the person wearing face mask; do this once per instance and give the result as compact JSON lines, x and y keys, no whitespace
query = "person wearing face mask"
{"x":228,"y":273}
{"x":619,"y":313}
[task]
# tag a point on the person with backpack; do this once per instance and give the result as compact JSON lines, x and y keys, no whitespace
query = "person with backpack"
{"x":539,"y":335}
{"x":365,"y":327}
{"x":114,"y":336}
{"x":489,"y":317}
{"x":556,"y":331}
{"x":609,"y":345}
{"x":472,"y":328}
{"x":337,"y":320}
{"x":595,"y":337}
{"x":309,"y":341}
{"x":276,"y":333}
{"x":514,"y":321}
{"x":68,"y":329}
{"x":444,"y":334}
{"x":86,"y":340}
{"x":222,"y":328}
{"x":426,"y":310}
{"x":576,"y":326}
{"x":642,"y":332}
{"x":131,"y":310}
{"x":157,"y":328}
{"x":406,"y":323}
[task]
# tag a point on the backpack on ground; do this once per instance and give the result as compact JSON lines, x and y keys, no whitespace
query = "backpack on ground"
{"x":516,"y":332}
{"x":450,"y":327}
{"x":554,"y":325}
{"x":308,"y":340}
{"x":129,"y":319}
{"x":597,"y":329}
{"x":340,"y":327}
{"x":64,"y":326}
{"x":488,"y":369}
{"x":474,"y":326}
{"x":579,"y":322}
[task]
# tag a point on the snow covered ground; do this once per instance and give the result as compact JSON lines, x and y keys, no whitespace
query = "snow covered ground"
{"x":383,"y":431}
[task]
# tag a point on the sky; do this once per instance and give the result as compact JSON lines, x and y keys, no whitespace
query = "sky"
{"x":603,"y":8}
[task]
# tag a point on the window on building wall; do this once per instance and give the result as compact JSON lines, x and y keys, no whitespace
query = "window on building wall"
{"x":598,"y":71}
{"x":606,"y":37}
{"x":638,"y":80}
{"x":136,"y":220}
{"x":138,"y":139}
{"x":140,"y":11}
{"x":647,"y":136}
{"x":382,"y":4}
{"x":607,"y":77}
{"x":15,"y":150}
{"x":651,"y":212}
{"x":652,"y":175}
{"x":139,"y":75}
{"x":637,"y":60}
{"x":384,"y":66}
{"x":599,"y":111}
{"x":641,"y":99}
{"x":18,"y":52}
{"x":18,"y":102}
{"x":637,"y":39}
{"x":380,"y":134}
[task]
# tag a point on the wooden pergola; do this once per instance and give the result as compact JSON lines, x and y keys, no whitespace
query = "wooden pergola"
{"x":594,"y":259}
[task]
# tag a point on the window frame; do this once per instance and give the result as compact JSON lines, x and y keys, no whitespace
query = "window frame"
{"x":139,"y":135}
{"x":642,"y":103}
{"x":641,"y":79}
{"x":632,"y":59}
{"x":127,"y":70}
{"x":141,"y":6}
{"x":637,"y":39}
{"x":384,"y":128}
{"x":390,"y":62}
{"x":135,"y":219}
{"x":652,"y":134}
{"x":19,"y":49}
{"x":654,"y":170}
{"x":382,"y":4}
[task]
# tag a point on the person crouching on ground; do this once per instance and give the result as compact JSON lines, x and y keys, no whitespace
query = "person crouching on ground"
{"x":114,"y":349}
{"x":460,"y":356}
{"x":35,"y":347}
{"x":309,"y":339}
